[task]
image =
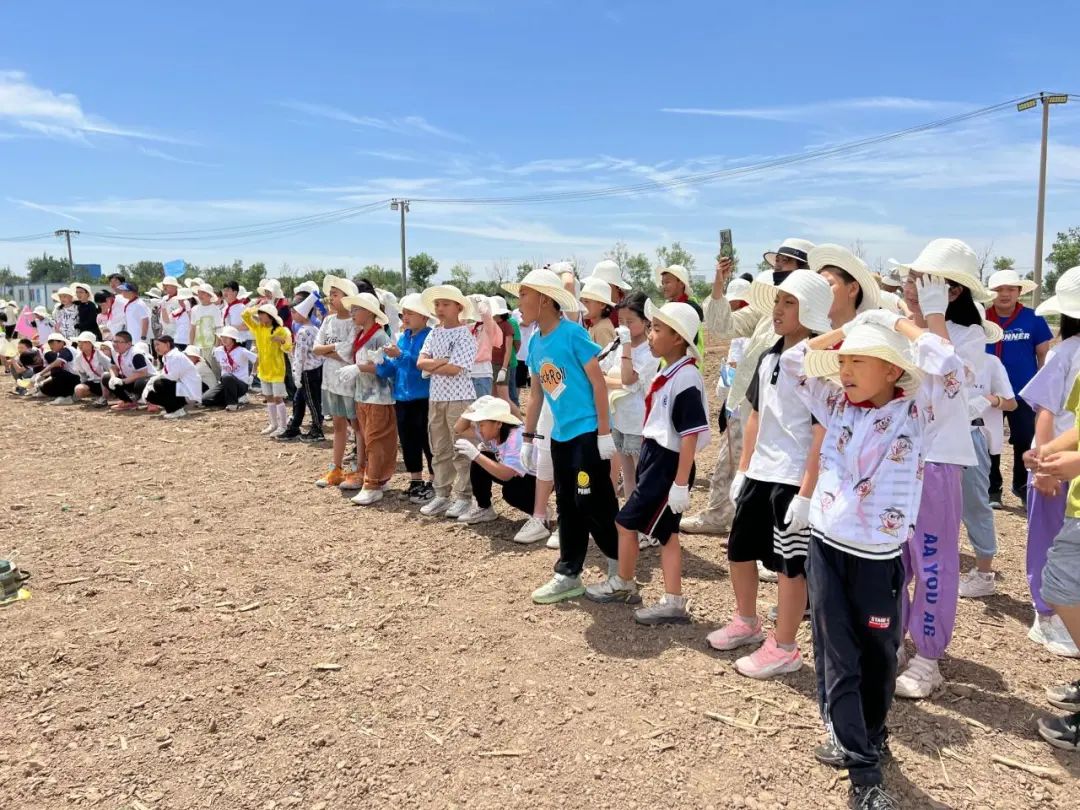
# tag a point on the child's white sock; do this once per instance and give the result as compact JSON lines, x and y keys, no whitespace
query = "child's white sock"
{"x":271,"y":411}
{"x":283,"y":415}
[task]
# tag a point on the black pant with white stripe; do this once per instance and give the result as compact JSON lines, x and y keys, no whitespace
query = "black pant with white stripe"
{"x":586,"y":502}
{"x":855,"y":610}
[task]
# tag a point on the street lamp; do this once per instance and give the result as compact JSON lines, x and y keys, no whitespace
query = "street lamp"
{"x":1046,"y":100}
{"x":403,"y":206}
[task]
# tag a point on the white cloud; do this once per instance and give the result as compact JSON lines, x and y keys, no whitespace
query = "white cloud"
{"x":44,"y":208}
{"x":406,"y":125}
{"x":57,"y":115}
{"x":500,"y":229}
{"x":797,"y":112}
{"x":399,"y":157}
{"x":157,"y":153}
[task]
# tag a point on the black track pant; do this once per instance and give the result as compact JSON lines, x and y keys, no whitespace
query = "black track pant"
{"x":308,"y":399}
{"x":586,"y":502}
{"x":227,"y":392}
{"x":412,"y":431}
{"x":519,"y":491}
{"x":61,"y":383}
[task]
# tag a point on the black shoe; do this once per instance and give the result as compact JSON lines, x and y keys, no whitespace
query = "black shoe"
{"x":1062,"y":732}
{"x":312,"y":436}
{"x":1021,"y":496}
{"x":1065,"y":696}
{"x":871,"y":797}
{"x":289,"y":435}
{"x":414,"y":488}
{"x":424,"y":494}
{"x":995,"y":500}
{"x":831,"y":755}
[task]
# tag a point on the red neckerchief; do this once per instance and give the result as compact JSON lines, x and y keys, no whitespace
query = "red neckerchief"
{"x":683,"y":299}
{"x":165,"y":365}
{"x":228,"y":357}
{"x":992,"y":315}
{"x":120,"y":363}
{"x":228,"y":307}
{"x":361,"y":340}
{"x":89,"y":360}
{"x":661,"y":381}
{"x":898,"y":393}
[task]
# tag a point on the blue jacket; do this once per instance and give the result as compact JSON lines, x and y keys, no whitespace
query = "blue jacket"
{"x":408,"y":382}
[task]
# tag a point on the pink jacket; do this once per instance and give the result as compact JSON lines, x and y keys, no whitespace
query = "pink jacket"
{"x":487,"y":334}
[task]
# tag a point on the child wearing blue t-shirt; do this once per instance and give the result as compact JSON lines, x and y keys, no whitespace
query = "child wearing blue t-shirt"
{"x":565,"y":372}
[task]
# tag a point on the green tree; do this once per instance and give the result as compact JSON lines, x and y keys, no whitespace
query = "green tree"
{"x":524,"y":269}
{"x":461,"y":277}
{"x":1064,"y":254}
{"x":381,"y":278}
{"x":48,"y":269}
{"x":422,"y":269}
{"x":9,"y":278}
{"x":144,"y":274}
{"x":620,"y":254}
{"x":676,"y":254}
{"x":1003,"y":263}
{"x":639,"y":272}
{"x":763,"y":266}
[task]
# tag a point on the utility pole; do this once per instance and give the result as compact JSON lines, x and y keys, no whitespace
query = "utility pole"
{"x":403,"y":206}
{"x":68,"y":233}
{"x":1046,"y":100}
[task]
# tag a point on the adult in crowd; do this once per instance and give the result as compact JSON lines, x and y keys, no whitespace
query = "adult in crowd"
{"x":136,"y":313}
{"x":1022,"y":352}
{"x":128,"y":374}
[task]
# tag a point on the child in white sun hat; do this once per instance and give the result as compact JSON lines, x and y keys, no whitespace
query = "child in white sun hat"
{"x":676,"y":427}
{"x":334,"y":345}
{"x":90,"y":364}
{"x":596,"y":297}
{"x":776,"y":476}
{"x":875,"y":396}
{"x":273,"y":341}
{"x":235,"y":363}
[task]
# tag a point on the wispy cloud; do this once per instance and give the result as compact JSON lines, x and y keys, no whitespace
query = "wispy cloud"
{"x":383,"y":154}
{"x":157,"y":153}
{"x":58,"y":115}
{"x":405,"y":125}
{"x":801,"y":112}
{"x":56,"y":212}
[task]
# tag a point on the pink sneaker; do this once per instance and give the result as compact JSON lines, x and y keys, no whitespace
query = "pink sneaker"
{"x":769,"y":660}
{"x":736,"y":633}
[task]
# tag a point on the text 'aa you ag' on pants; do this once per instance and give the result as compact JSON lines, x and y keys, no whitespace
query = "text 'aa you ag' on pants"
{"x":586,"y":502}
{"x":519,"y":491}
{"x":932,"y":559}
{"x":378,"y":427}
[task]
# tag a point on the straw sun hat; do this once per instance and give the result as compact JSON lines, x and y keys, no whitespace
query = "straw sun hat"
{"x":824,"y":256}
{"x":596,"y":289}
{"x":493,"y":409}
{"x":1066,"y":300}
{"x":814,"y":294}
{"x":366,"y":301}
{"x":1010,"y":278}
{"x":545,"y":282}
{"x":448,"y":292}
{"x":681,"y":317}
{"x":608,"y":272}
{"x":337,"y":282}
{"x":954,"y":261}
{"x":867,"y":340}
{"x":738,"y":289}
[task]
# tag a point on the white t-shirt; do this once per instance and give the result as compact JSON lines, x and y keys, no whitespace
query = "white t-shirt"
{"x":339,"y":333}
{"x":628,"y":413}
{"x":678,"y":408}
{"x":177,"y":366}
{"x":134,"y":313}
{"x":785,"y":424}
{"x":116,"y":321}
{"x":526,"y":336}
{"x":236,"y":363}
{"x":206,"y":373}
{"x":991,"y":380}
{"x":233,"y":315}
{"x":948,"y":434}
{"x":1049,"y":388}
{"x":207,"y":320}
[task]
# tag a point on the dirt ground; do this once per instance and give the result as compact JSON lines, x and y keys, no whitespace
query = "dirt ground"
{"x":208,"y":629}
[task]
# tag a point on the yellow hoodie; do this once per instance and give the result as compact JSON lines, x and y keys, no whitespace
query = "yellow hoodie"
{"x":271,"y":354}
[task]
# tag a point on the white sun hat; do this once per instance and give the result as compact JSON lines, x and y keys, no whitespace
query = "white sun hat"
{"x":867,"y":340}
{"x":489,"y":408}
{"x":242,"y":294}
{"x":193,"y":282}
{"x":827,"y":255}
{"x":86,"y":337}
{"x":271,"y":310}
{"x":41,"y":312}
{"x":304,"y":307}
{"x":205,"y":288}
{"x":796,"y":248}
{"x":738,"y":289}
{"x":308,"y":286}
{"x":270,"y":287}
{"x":193,"y":351}
{"x":1010,"y":278}
{"x":345,"y":285}
{"x":762,"y":279}
{"x":366,"y":301}
{"x":62,"y":291}
{"x":154,"y":293}
{"x":545,"y":282}
{"x":498,"y":305}
{"x":677,"y":270}
{"x":608,"y":271}
{"x":56,"y":336}
{"x":170,"y":281}
{"x":814,"y":294}
{"x":954,"y":261}
{"x":78,"y":285}
{"x":229,"y":332}
{"x":993,"y":332}
{"x":187,"y":294}
{"x":414,"y":302}
{"x":1066,"y":297}
{"x":596,"y":289}
{"x":681,"y":317}
{"x":892,"y":302}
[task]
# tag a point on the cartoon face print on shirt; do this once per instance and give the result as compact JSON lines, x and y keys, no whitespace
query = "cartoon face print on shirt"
{"x":845,"y":437}
{"x":827,"y":500}
{"x":951,"y":384}
{"x":899,"y":449}
{"x":929,"y":413}
{"x":881,"y":424}
{"x":920,"y":469}
{"x":913,"y":411}
{"x":891,"y":521}
{"x":864,"y":488}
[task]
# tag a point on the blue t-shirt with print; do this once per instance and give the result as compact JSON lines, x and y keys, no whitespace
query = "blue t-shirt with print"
{"x":558,"y":359}
{"x":1017,"y":351}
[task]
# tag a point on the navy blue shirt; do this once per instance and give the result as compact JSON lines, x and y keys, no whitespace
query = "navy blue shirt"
{"x":1024,"y":330}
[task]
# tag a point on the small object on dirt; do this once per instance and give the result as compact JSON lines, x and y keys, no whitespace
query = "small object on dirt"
{"x":327,"y":667}
{"x":1035,"y":770}
{"x":251,"y":606}
{"x":183,"y":608}
{"x":277,"y":721}
{"x":735,"y":723}
{"x":971,"y":721}
{"x":152,"y":660}
{"x":951,"y":753}
{"x":212,"y":726}
{"x":961,"y":690}
{"x":123,"y":743}
{"x":505,"y":752}
{"x":15,"y":507}
{"x":72,"y":581}
{"x":659,"y":749}
{"x":161,"y":734}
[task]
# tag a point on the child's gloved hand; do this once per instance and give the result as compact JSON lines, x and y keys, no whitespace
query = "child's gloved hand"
{"x":501,"y":378}
{"x":623,"y":334}
{"x":798,"y":514}
{"x":736,"y":488}
{"x":528,"y":457}
{"x":933,"y":295}
{"x":115,"y":382}
{"x":378,"y":356}
{"x":348,"y":375}
{"x":467,"y":449}
{"x":606,"y":445}
{"x":678,"y":499}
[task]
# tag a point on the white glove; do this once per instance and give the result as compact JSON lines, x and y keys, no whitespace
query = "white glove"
{"x":500,"y":378}
{"x":528,"y":457}
{"x":736,"y":488}
{"x":977,"y":406}
{"x":606,"y":445}
{"x":348,"y":375}
{"x":467,"y":449}
{"x":378,"y":356}
{"x":151,"y":384}
{"x":115,"y":382}
{"x":879,"y":317}
{"x":623,"y":334}
{"x":798,"y":514}
{"x":678,"y":498}
{"x":933,"y":295}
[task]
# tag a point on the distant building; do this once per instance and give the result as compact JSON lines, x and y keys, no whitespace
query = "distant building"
{"x":35,"y":295}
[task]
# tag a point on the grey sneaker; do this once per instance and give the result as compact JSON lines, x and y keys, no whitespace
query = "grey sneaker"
{"x":697,"y":524}
{"x":436,"y":506}
{"x":614,"y":589}
{"x":558,"y":588}
{"x":478,"y":514}
{"x":669,"y":610}
{"x":764,"y":574}
{"x":457,"y":508}
{"x":773,"y":613}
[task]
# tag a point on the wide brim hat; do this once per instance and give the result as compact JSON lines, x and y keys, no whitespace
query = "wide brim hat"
{"x":62,"y":291}
{"x":78,"y":285}
{"x":1066,"y":297}
{"x":154,"y":292}
{"x":489,"y":408}
{"x":304,"y":306}
{"x":608,"y":271}
{"x":271,"y":310}
{"x":188,"y":294}
{"x":86,"y":337}
{"x":270,"y":287}
{"x":345,"y":285}
{"x":170,"y":281}
{"x":56,"y":336}
{"x":867,"y":340}
{"x":596,"y":289}
{"x":681,"y":317}
{"x":414,"y":302}
{"x":205,"y":288}
{"x":193,"y":282}
{"x":796,"y":248}
{"x":1010,"y":278}
{"x":369,"y":302}
{"x":229,"y":332}
{"x":892,"y":302}
{"x":306,"y":286}
{"x":821,"y":256}
{"x":738,"y":289}
{"x":994,"y":333}
{"x":814,"y":294}
{"x":497,"y":304}
{"x":545,"y":282}
{"x":764,"y":279}
{"x":193,"y":351}
{"x":677,"y":270}
{"x":448,"y":292}
{"x":954,"y":261}
{"x":41,"y":312}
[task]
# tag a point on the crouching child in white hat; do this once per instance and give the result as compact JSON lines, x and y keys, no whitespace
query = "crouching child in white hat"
{"x":776,"y":476}
{"x":676,"y":427}
{"x":875,"y":395}
{"x":491,"y":439}
{"x":90,"y":364}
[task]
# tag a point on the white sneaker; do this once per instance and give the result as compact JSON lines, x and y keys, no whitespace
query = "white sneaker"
{"x":920,"y":679}
{"x":232,"y":408}
{"x":533,"y":531}
{"x":100,"y":401}
{"x":1058,"y":640}
{"x":644,"y":541}
{"x":366,"y":497}
{"x":1041,"y":629}
{"x":243,"y":400}
{"x":179,"y":414}
{"x":63,"y":401}
{"x":553,"y":539}
{"x":764,"y":574}
{"x":280,"y":431}
{"x":975,"y":584}
{"x":436,"y":506}
{"x":270,"y":428}
{"x":478,"y":514}
{"x":457,"y":508}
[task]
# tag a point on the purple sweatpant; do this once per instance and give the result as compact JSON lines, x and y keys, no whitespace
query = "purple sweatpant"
{"x":1046,"y":516}
{"x":932,"y":559}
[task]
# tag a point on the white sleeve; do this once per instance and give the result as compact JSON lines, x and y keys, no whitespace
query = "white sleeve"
{"x":816,"y":393}
{"x":1049,"y":388}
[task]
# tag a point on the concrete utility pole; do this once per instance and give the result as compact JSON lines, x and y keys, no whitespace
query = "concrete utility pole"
{"x":68,"y":233}
{"x":1046,"y":100}
{"x":403,"y":206}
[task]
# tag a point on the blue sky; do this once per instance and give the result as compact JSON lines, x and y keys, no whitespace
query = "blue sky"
{"x":119,"y":118}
